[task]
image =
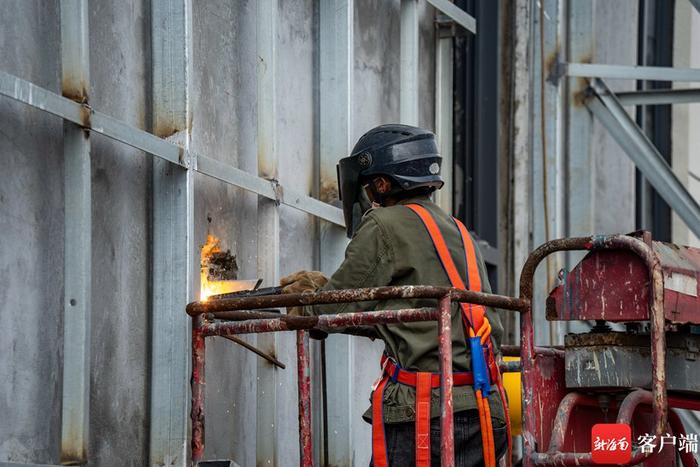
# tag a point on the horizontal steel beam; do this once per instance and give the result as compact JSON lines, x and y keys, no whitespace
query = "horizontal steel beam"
{"x":659,"y":96}
{"x":655,"y":73}
{"x":696,"y":4}
{"x":83,"y":115}
{"x":42,"y":99}
{"x":13,"y":464}
{"x":605,"y":106}
{"x":459,"y":16}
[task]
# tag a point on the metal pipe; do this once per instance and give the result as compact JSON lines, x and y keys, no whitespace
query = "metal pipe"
{"x":659,"y":97}
{"x":255,"y":350}
{"x":627,"y":409}
{"x":241,"y":315}
{"x":510,"y":367}
{"x":514,"y":351}
{"x":304,"y":389}
{"x":658,"y":336}
{"x":561,"y":420}
{"x":293,"y":323}
{"x":198,"y":385}
{"x":447,"y":456}
{"x":356,"y":295}
{"x":625,"y":414}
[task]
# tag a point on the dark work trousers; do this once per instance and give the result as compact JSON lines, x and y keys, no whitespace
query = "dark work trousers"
{"x":400,"y":441}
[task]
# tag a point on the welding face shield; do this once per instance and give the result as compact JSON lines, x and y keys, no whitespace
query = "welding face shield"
{"x":407,"y":155}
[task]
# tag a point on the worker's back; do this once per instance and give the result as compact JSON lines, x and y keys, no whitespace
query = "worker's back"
{"x":393,"y":247}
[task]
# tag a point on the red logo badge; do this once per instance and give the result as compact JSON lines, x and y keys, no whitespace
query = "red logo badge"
{"x":611,"y":443}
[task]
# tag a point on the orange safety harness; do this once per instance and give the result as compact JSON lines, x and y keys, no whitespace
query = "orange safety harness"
{"x":484,"y":367}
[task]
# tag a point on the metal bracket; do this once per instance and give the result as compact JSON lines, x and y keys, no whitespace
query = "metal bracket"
{"x":603,"y":103}
{"x":278,"y":190}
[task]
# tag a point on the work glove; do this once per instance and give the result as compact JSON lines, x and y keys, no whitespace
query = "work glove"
{"x":303,"y":281}
{"x":300,"y":282}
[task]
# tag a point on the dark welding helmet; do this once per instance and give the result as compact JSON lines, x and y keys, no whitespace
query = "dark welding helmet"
{"x":406,"y":154}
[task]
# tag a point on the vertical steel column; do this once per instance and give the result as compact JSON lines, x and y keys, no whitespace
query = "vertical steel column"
{"x":447,"y":452}
{"x":336,"y":64}
{"x":443,"y":111}
{"x":173,"y":247}
{"x":75,"y":80}
{"x":304,"y":394}
{"x":521,"y":136}
{"x":268,"y":223}
{"x":409,"y":62}
{"x":547,"y":163}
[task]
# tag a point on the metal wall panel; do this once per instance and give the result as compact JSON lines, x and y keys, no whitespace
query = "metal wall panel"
{"x":121,"y":194}
{"x":31,"y":249}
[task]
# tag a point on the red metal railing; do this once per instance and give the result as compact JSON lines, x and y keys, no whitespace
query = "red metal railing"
{"x":207,"y":322}
{"x":224,"y":318}
{"x":659,"y":399}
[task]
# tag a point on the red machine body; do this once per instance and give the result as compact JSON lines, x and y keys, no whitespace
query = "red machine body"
{"x":607,"y":376}
{"x":613,"y":285}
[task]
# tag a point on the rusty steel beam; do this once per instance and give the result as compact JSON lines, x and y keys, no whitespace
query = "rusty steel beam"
{"x":197,"y":383}
{"x":658,"y":337}
{"x":447,"y":454}
{"x":322,"y":322}
{"x":304,"y":390}
{"x":514,"y":351}
{"x":356,"y":295}
{"x":510,"y":367}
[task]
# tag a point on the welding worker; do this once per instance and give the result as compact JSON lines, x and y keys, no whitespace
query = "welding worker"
{"x":385,"y":188}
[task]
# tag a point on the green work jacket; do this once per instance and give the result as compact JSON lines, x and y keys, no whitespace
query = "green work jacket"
{"x":392,"y":247}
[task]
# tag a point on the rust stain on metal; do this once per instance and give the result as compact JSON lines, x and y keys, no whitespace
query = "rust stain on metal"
{"x":329,"y":191}
{"x":355,"y":295}
{"x":659,"y":399}
{"x":198,"y":384}
{"x":554,"y":67}
{"x":579,"y":91}
{"x":85,"y":116}
{"x":165,"y":129}
{"x":304,"y":395}
{"x":75,"y":92}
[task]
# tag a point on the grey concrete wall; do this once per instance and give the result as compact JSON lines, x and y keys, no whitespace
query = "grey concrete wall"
{"x":615,"y":43}
{"x":119,"y":396}
{"x":224,"y":127}
{"x":685,"y":143}
{"x":224,"y":112}
{"x":31,"y":240}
